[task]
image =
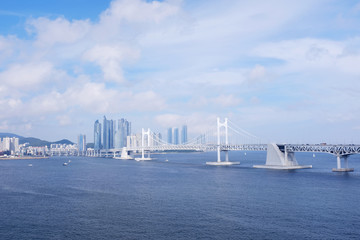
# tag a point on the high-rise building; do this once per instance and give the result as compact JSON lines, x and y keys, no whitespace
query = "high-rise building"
{"x":117,"y":139}
{"x":6,"y":144}
{"x":184,"y":138}
{"x":122,"y":131}
{"x":176,"y":136}
{"x":81,"y":142}
{"x":105,"y":138}
{"x":14,"y":145}
{"x":125,"y":130}
{"x":108,"y":133}
{"x":97,"y":135}
{"x":111,"y":133}
{"x":169,"y":136}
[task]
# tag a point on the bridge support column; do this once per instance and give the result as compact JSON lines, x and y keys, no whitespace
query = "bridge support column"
{"x":338,"y":163}
{"x":279,"y":158}
{"x":125,"y":154}
{"x":219,"y":162}
{"x":143,"y":134}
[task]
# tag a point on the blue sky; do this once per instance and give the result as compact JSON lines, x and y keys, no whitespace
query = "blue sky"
{"x":285,"y":71}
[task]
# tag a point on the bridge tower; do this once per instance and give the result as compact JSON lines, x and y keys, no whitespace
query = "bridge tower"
{"x":219,"y":150}
{"x":143,"y":134}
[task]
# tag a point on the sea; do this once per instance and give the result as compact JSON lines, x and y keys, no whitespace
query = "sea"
{"x":178,"y":196}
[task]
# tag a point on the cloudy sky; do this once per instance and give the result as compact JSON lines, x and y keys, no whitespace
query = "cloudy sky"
{"x":286,"y":71}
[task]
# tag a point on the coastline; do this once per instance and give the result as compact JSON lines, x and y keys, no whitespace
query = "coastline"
{"x":22,"y":158}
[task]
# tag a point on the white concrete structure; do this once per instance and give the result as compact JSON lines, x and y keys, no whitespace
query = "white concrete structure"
{"x":279,"y":158}
{"x":125,"y":155}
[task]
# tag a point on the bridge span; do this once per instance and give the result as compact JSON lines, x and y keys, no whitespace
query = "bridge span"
{"x":279,"y":156}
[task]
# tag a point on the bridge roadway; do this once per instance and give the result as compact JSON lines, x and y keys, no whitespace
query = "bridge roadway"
{"x":202,"y":147}
{"x":335,"y":149}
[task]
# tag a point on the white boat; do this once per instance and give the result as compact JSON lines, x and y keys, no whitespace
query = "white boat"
{"x":65,"y":164}
{"x":30,"y":165}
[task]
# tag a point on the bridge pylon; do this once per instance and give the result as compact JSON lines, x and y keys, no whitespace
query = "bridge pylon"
{"x":219,"y":149}
{"x":143,"y":134}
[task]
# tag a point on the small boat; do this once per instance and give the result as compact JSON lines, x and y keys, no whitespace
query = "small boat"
{"x":30,"y":165}
{"x":314,"y":155}
{"x":166,"y":160}
{"x":65,"y":164}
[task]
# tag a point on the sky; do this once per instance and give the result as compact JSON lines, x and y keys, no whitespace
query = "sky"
{"x":286,"y":71}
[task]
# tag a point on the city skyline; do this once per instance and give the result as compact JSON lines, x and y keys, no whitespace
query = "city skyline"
{"x":284,"y":71}
{"x":114,"y":133}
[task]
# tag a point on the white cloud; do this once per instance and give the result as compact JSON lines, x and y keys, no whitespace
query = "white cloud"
{"x":10,"y":106}
{"x":110,"y":59}
{"x":52,"y":102}
{"x":257,"y":73}
{"x":64,"y":120}
{"x":139,"y":11}
{"x":27,"y":76}
{"x":96,"y":98}
{"x":313,"y":54}
{"x":49,"y":32}
{"x":194,"y":59}
{"x":228,"y":100}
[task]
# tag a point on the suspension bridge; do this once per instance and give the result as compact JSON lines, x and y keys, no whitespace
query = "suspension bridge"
{"x":227,"y":136}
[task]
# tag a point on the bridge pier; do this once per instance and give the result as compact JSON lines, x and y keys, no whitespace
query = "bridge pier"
{"x":339,"y":168}
{"x":279,"y":158}
{"x":124,"y":154}
{"x":219,"y":162}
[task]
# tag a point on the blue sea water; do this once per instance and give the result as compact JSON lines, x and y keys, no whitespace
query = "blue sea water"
{"x":182,"y":198}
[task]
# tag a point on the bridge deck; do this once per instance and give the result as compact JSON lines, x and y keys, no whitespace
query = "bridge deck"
{"x":341,"y":150}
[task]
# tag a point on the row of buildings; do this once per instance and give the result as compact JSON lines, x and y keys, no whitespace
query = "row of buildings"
{"x":117,"y":134}
{"x":9,"y":146}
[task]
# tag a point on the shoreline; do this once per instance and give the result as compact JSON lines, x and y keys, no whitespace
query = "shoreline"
{"x":22,"y":158}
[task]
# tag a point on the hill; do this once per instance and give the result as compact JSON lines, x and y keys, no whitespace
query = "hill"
{"x":2,"y":135}
{"x":35,"y":142}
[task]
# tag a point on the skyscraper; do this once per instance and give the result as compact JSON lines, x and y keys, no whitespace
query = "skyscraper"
{"x":97,"y":135}
{"x":122,"y":131}
{"x":184,"y":138}
{"x":81,"y":143}
{"x":106,"y":133}
{"x":176,"y":136}
{"x":169,"y":136}
{"x":111,"y":133}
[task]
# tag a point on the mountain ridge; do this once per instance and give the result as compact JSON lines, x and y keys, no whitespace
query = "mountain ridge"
{"x":35,"y":142}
